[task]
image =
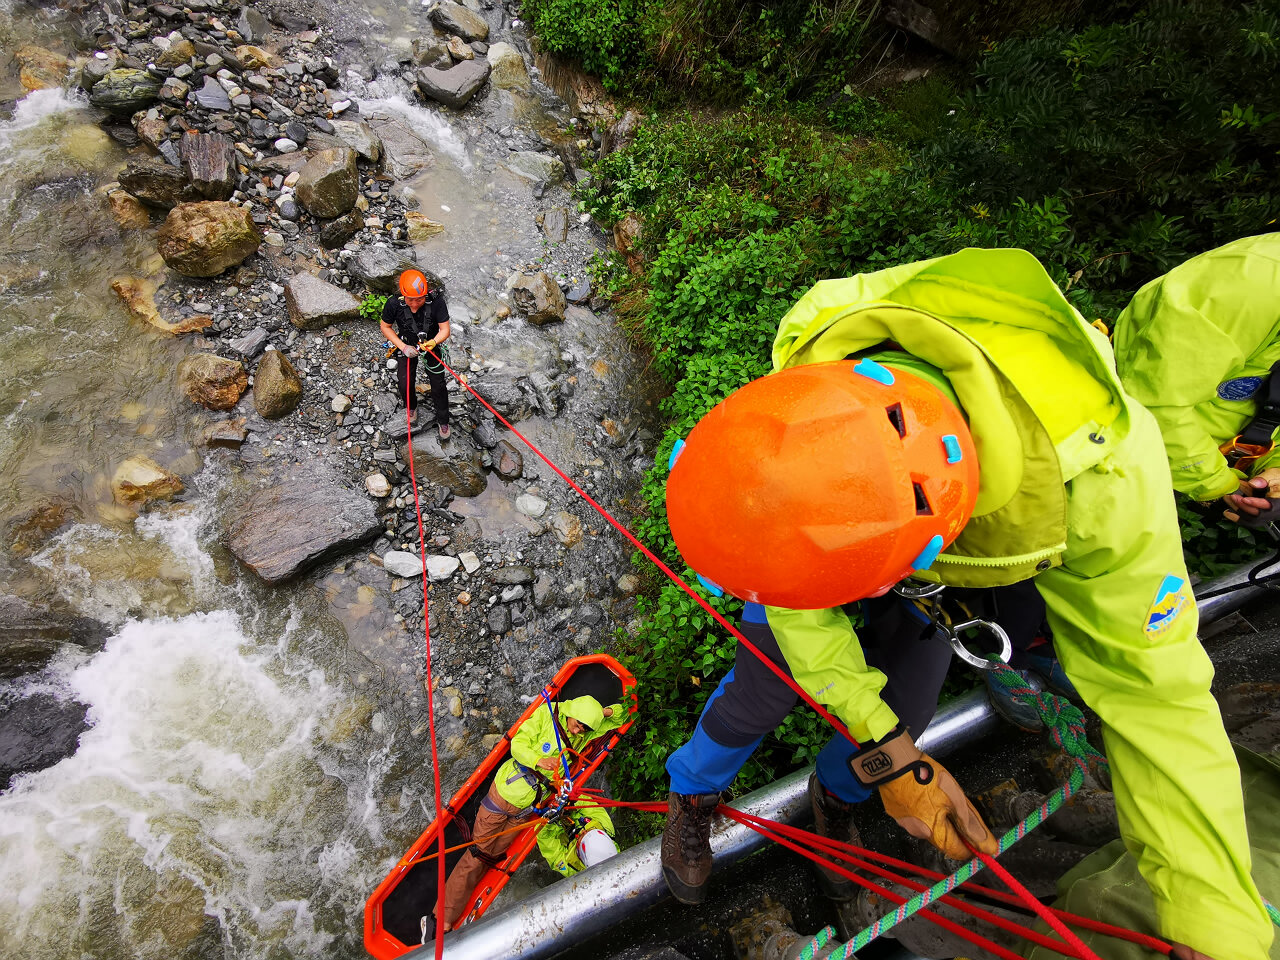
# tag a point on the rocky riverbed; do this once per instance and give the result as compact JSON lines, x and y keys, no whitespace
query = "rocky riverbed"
{"x":231,"y":462}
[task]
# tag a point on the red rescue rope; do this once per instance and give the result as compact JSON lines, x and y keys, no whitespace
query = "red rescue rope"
{"x":715,"y":614}
{"x":860,"y":857}
{"x":792,"y":837}
{"x":431,"y":692}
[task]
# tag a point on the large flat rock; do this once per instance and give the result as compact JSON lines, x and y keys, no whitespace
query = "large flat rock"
{"x":297,"y":522}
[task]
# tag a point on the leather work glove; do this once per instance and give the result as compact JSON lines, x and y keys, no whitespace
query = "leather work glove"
{"x":921,"y":795}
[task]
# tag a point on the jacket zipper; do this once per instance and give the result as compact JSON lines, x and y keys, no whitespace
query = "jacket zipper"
{"x":1001,"y":561}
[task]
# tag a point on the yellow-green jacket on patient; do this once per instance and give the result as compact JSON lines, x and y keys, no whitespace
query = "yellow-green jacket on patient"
{"x":1195,"y":346}
{"x":1075,"y":492}
{"x":539,"y":738}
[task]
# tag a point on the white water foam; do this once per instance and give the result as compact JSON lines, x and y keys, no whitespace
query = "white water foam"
{"x":37,"y":106}
{"x":196,"y":818}
{"x":392,"y":96}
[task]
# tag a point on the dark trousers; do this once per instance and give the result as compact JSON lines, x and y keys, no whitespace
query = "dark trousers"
{"x":406,"y":373}
{"x":751,"y":701}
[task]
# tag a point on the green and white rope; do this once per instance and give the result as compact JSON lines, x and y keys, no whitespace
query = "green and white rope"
{"x":1066,"y":726}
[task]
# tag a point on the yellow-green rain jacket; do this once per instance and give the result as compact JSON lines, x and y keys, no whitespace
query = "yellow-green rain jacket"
{"x":1075,"y":492}
{"x":1194,"y":346}
{"x":536,"y":739}
{"x":558,"y":841}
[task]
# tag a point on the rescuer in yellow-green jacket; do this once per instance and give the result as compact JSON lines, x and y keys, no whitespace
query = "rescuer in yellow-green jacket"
{"x":1197,"y":347}
{"x":956,"y":420}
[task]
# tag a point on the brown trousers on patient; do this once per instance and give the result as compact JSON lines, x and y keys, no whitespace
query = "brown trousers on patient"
{"x":492,"y":834}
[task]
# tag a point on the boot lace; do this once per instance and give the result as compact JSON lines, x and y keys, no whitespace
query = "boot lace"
{"x":695,"y":839}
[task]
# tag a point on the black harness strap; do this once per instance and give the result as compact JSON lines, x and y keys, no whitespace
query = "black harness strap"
{"x":1258,"y":431}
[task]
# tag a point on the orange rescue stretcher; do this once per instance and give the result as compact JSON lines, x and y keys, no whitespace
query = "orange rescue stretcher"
{"x":393,"y":912}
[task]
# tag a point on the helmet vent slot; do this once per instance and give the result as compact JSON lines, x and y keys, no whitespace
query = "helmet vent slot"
{"x":922,"y":502}
{"x":897,"y":419}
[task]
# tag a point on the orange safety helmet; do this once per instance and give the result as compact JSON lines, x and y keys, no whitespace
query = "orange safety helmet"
{"x":822,"y":484}
{"x":413,"y":283}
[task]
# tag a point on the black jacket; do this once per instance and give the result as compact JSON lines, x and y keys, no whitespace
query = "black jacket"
{"x":411,"y":327}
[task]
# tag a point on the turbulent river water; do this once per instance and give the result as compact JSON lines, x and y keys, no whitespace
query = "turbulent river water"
{"x":243,"y":782}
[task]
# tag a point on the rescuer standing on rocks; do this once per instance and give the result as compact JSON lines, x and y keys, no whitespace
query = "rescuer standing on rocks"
{"x":418,"y":320}
{"x":956,"y":420}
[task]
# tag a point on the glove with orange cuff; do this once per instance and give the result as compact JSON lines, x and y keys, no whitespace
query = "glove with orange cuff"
{"x":921,"y":795}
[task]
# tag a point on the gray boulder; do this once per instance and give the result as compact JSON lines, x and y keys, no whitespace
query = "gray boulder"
{"x":337,"y":232}
{"x":554,"y":223}
{"x":252,"y":25}
{"x":211,"y":96}
{"x":508,"y":576}
{"x":313,"y":304}
{"x":455,"y":465}
{"x":537,"y":166}
{"x":380,"y":268}
{"x":404,"y":152}
{"x":125,"y":91}
{"x":359,"y":136}
{"x":455,"y":18}
{"x":539,"y":298}
{"x":157,"y":184}
{"x":431,"y":52}
{"x":329,"y":184}
{"x":455,"y":86}
{"x":294,"y":524}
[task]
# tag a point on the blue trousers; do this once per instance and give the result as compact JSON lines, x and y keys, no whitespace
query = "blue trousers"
{"x":751,"y":701}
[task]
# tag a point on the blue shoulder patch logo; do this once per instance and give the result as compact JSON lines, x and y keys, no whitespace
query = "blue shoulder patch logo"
{"x":546,"y":748}
{"x":1170,"y":601}
{"x":1241,"y":388}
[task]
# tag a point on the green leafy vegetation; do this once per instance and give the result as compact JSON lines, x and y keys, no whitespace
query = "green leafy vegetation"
{"x":371,"y":306}
{"x":1110,"y":149}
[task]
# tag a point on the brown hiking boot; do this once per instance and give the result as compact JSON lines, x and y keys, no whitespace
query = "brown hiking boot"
{"x":686,"y":845}
{"x":833,"y":818}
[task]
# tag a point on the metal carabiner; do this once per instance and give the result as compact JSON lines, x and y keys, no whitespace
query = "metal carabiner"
{"x":918,"y":589}
{"x":953,"y":636}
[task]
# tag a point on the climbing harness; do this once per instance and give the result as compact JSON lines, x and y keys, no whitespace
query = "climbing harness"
{"x":1254,"y":441}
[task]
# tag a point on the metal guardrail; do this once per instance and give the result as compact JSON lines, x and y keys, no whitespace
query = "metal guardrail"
{"x":582,"y":906}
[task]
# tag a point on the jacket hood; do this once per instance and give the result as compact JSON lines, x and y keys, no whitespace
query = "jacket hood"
{"x":585,"y":710}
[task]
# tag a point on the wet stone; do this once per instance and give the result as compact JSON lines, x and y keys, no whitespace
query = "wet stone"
{"x":499,"y":619}
{"x":291,"y":525}
{"x":211,"y":96}
{"x":555,"y":223}
{"x":580,"y":292}
{"x":251,"y":344}
{"x":512,"y":575}
{"x":228,"y":434}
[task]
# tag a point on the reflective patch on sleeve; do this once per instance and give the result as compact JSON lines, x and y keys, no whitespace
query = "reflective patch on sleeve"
{"x":1240,"y":388}
{"x":1170,"y":601}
